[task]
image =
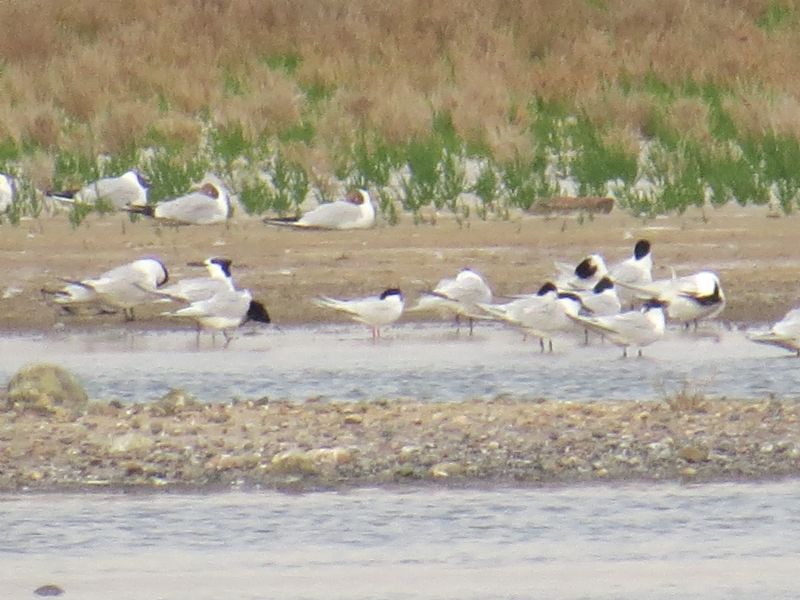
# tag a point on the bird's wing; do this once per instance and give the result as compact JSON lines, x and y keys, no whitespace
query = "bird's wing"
{"x":192,"y":209}
{"x":333,"y":215}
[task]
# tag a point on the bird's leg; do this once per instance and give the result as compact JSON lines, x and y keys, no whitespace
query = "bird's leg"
{"x":585,"y":337}
{"x":458,"y":324}
{"x":197,"y":338}
{"x":228,"y":338}
{"x":624,"y":352}
{"x":550,"y":344}
{"x":640,"y":353}
{"x":471,"y":323}
{"x":128,"y":312}
{"x":541,"y":345}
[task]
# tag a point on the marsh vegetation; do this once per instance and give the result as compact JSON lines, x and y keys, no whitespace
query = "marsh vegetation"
{"x":470,"y":107}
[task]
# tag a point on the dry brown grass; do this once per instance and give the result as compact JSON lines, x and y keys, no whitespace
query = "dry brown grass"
{"x":117,"y":69}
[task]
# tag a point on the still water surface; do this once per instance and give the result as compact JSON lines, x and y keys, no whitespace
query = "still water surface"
{"x":414,"y":361}
{"x":718,"y":541}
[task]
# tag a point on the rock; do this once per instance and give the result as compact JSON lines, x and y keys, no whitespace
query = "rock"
{"x":693,"y":454}
{"x":173,"y":402}
{"x":49,"y":590}
{"x":294,"y":462}
{"x":44,"y":388}
{"x":353,"y":419}
{"x":131,"y":443}
{"x":447,"y":469}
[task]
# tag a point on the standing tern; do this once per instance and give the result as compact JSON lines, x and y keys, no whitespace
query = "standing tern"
{"x":375,"y":311}
{"x":636,"y":270}
{"x":206,"y":206}
{"x":784,"y":334}
{"x":688,"y":299}
{"x":355,"y":211}
{"x":127,"y":190}
{"x":224,"y":311}
{"x":122,"y":287}
{"x":543,"y":314}
{"x":633,"y":328}
{"x":460,"y":296}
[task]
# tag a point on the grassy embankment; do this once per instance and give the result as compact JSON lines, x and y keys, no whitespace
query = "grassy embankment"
{"x":666,"y":104}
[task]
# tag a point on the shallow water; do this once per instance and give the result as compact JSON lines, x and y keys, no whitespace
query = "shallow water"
{"x":427,"y":362}
{"x":628,"y":541}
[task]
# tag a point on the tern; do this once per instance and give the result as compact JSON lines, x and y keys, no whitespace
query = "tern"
{"x":201,"y":288}
{"x":355,"y":211}
{"x":206,"y":206}
{"x":127,"y":190}
{"x":122,"y":287}
{"x":632,"y":328}
{"x":688,"y":299}
{"x":636,"y":270}
{"x":375,"y":311}
{"x":543,"y":314}
{"x":784,"y":334}
{"x":584,"y":276}
{"x":224,"y":311}
{"x":460,"y":296}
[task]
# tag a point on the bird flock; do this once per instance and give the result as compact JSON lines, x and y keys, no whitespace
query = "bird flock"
{"x":623,"y":304}
{"x":210,"y":203}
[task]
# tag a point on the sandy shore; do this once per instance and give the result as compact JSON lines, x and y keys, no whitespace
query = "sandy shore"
{"x":177,"y":443}
{"x":757,"y":258}
{"x":182,"y":445}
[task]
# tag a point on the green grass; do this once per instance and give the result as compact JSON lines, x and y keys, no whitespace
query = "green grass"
{"x":429,"y":171}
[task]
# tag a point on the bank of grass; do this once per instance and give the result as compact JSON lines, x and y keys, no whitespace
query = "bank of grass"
{"x":475,"y":108}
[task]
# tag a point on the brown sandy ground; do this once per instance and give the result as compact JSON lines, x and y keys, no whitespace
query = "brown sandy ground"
{"x":178,"y":444}
{"x":758,"y":258}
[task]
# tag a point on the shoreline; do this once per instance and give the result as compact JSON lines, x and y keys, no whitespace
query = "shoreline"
{"x":755,"y":256}
{"x":178,"y":444}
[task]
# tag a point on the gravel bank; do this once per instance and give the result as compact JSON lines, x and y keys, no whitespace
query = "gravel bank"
{"x":176,"y":443}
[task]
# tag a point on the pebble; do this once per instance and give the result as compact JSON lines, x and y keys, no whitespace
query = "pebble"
{"x":49,"y":590}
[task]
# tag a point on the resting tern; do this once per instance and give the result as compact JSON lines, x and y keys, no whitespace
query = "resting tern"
{"x":633,"y":328}
{"x":543,"y":314}
{"x":784,"y":334}
{"x":201,"y":288}
{"x":688,"y":299}
{"x":375,"y":311}
{"x":129,"y":189}
{"x":224,"y":311}
{"x":636,"y":270}
{"x":353,"y":212}
{"x":206,"y":206}
{"x":122,"y":287}
{"x":460,"y":296}
{"x":584,"y":276}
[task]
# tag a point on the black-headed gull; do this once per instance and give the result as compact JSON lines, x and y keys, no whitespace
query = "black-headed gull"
{"x":206,"y":206}
{"x":637,"y":328}
{"x":375,"y":311}
{"x":784,"y":334}
{"x":122,"y":287}
{"x":355,"y":211}
{"x":459,"y":295}
{"x":8,"y":191}
{"x":129,"y":189}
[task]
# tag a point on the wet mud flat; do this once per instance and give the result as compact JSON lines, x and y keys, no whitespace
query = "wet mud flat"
{"x":179,"y":444}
